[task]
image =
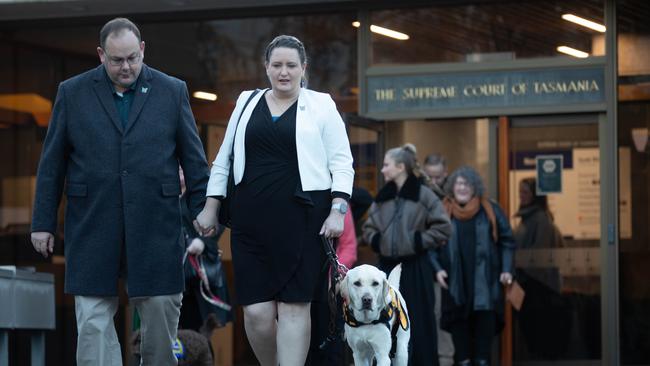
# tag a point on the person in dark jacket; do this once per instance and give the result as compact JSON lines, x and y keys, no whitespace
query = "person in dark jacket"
{"x":472,"y":267}
{"x":545,"y":316}
{"x":405,"y":221}
{"x":435,"y":167}
{"x":536,"y":229}
{"x":114,"y":142}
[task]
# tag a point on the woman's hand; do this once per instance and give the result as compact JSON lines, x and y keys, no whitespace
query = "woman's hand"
{"x":333,"y":225}
{"x":506,"y":278}
{"x":196,"y":247}
{"x":441,"y":277}
{"x":206,"y":222}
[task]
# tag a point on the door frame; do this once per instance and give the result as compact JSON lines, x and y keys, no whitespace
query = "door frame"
{"x":607,"y":145}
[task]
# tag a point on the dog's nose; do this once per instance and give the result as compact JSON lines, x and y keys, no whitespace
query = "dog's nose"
{"x":366,"y":302}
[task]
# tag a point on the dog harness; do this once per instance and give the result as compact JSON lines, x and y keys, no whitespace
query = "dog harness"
{"x":394,"y":307}
{"x":179,"y":350}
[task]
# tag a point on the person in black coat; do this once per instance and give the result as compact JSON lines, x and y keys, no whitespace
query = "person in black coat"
{"x":114,"y":142}
{"x":405,"y":221}
{"x":472,"y":267}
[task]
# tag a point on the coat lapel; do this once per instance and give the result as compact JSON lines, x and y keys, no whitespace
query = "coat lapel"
{"x":105,"y":94}
{"x":301,"y":115}
{"x":142,"y":91}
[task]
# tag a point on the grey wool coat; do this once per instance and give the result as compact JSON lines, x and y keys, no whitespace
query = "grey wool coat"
{"x":121,"y":183}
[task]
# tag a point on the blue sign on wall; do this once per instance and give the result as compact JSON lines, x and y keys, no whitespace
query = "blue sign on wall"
{"x":485,"y":89}
{"x":549,"y":174}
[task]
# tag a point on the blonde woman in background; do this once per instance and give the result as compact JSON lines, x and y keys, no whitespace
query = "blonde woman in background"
{"x":405,"y":221}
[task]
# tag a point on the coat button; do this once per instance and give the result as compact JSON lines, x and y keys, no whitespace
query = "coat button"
{"x":125,"y":173}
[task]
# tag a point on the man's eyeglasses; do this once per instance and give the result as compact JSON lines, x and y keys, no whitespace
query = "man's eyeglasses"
{"x":116,"y":61}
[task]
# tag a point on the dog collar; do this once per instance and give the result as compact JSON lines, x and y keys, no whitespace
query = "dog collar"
{"x":178,"y":349}
{"x":395,"y":306}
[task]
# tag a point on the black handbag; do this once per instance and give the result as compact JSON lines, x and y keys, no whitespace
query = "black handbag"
{"x":225,"y":209}
{"x":214,"y":271}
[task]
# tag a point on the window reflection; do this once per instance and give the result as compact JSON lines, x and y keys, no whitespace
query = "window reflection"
{"x":487,"y":32}
{"x":634,"y":179}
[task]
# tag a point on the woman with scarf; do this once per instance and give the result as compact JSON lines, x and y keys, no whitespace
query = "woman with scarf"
{"x":405,"y":221}
{"x":472,"y":267}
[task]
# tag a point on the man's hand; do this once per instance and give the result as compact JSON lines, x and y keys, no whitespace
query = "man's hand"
{"x":441,"y":277}
{"x":43,"y":242}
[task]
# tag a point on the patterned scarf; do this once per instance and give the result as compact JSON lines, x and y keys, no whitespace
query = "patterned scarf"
{"x":470,"y":209}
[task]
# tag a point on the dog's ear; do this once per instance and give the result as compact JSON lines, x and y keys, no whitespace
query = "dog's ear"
{"x":344,"y":289}
{"x":386,"y":292}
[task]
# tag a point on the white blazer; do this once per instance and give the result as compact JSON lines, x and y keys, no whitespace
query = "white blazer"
{"x":322,"y":146}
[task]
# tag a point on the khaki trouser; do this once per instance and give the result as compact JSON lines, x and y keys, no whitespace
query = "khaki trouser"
{"x":97,"y":342}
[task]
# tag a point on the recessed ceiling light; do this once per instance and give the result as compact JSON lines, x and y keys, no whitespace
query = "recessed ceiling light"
{"x":384,"y":31}
{"x":572,"y":52}
{"x":584,"y":22}
{"x":205,"y":96}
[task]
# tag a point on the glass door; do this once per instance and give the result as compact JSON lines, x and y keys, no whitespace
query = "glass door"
{"x":554,"y":203}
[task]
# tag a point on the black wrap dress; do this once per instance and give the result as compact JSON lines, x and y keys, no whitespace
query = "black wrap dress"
{"x":276,"y":250}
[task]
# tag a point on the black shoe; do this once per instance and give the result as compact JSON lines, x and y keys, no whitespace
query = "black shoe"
{"x":481,"y":363}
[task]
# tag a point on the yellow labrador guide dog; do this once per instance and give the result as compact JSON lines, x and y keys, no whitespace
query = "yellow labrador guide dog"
{"x":376,"y":319}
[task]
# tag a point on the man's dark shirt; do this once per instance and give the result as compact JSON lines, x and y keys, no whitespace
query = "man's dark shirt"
{"x":123,"y":101}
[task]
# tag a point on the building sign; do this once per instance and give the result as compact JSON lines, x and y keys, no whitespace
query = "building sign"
{"x":395,"y":94}
{"x":549,"y":174}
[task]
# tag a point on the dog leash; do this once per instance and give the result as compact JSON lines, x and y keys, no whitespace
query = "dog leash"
{"x":197,"y":264}
{"x":337,"y":271}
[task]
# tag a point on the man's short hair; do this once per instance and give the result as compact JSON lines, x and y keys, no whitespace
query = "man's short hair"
{"x":116,"y":26}
{"x":435,"y":159}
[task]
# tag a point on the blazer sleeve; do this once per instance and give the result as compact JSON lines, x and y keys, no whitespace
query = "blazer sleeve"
{"x":221,"y":164}
{"x":191,"y":155}
{"x":50,"y":177}
{"x":337,"y":148}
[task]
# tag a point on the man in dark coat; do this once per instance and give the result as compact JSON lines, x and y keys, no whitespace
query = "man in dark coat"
{"x":115,"y":139}
{"x":435,"y":167}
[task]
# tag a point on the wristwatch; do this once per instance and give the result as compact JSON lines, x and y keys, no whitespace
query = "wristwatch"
{"x":341,"y":207}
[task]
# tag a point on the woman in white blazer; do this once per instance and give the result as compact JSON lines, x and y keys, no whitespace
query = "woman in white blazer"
{"x":293,"y":175}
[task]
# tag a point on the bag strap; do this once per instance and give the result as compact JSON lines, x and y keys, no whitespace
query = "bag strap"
{"x":232,"y":148}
